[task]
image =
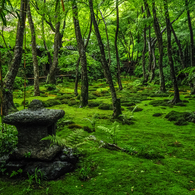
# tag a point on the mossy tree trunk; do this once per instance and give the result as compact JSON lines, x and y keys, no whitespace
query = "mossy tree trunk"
{"x":82,"y":55}
{"x":144,"y":52}
{"x":78,"y":62}
{"x":115,"y":101}
{"x":160,"y":47}
{"x":8,"y":104}
{"x":51,"y":77}
{"x":176,"y":98}
{"x":116,"y":49}
{"x":34,"y":52}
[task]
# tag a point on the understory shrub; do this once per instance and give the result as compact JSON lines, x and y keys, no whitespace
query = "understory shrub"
{"x":8,"y":139}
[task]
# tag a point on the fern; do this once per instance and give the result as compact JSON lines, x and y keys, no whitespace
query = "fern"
{"x":93,"y":120}
{"x":112,"y":131}
{"x":74,"y":140}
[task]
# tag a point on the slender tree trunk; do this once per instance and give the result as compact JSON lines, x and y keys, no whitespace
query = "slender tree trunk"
{"x":76,"y":78}
{"x":149,"y":41}
{"x":115,"y":101}
{"x":192,"y":50}
{"x":52,"y":72}
{"x":34,"y":52}
{"x":179,"y":47}
{"x":144,"y":52}
{"x":154,"y":65}
{"x":116,"y":48}
{"x":160,"y":47}
{"x":44,"y":41}
{"x":108,"y":43}
{"x":176,"y":98}
{"x":78,"y":61}
{"x":8,"y":104}
{"x":82,"y":54}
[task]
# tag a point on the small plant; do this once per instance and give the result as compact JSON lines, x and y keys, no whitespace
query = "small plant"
{"x":14,"y":173}
{"x":111,"y":131}
{"x":8,"y":139}
{"x":74,"y":140}
{"x":27,"y":155}
{"x":93,"y":120}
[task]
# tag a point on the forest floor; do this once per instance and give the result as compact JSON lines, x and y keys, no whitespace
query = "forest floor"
{"x":159,"y":155}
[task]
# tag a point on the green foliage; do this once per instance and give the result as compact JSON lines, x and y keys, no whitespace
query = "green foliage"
{"x":14,"y":173}
{"x":111,"y":131}
{"x":8,"y":139}
{"x":75,"y":139}
{"x":93,"y":120}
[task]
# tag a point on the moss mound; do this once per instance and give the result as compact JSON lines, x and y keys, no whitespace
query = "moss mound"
{"x":157,"y":114}
{"x":91,"y":97}
{"x":89,"y":130}
{"x":64,"y":96}
{"x":150,"y":155}
{"x":159,"y":95}
{"x":72,"y":102}
{"x":74,"y":126}
{"x":160,"y":103}
{"x":92,"y":104}
{"x":181,"y":118}
{"x":128,"y":104}
{"x":105,"y":106}
{"x":64,"y":101}
{"x":51,"y":102}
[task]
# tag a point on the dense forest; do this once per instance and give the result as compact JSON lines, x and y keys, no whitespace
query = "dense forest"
{"x":102,"y":61}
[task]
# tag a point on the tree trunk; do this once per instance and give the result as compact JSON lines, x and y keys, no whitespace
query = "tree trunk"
{"x":179,"y":47}
{"x":192,"y":50}
{"x":108,"y":43}
{"x":160,"y":47}
{"x":82,"y":54}
{"x":154,"y":65}
{"x":8,"y":104}
{"x":176,"y":98}
{"x":34,"y":52}
{"x":116,"y":48}
{"x":144,"y":53}
{"x":76,"y":78}
{"x":115,"y":101}
{"x":52,"y":72}
{"x":78,"y":61}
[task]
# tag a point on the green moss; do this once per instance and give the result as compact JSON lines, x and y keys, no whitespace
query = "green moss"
{"x":64,"y":96}
{"x":157,"y":114}
{"x":72,"y":102}
{"x":105,"y":106}
{"x":92,"y":104}
{"x":137,"y":109}
{"x":74,"y":126}
{"x":51,"y":102}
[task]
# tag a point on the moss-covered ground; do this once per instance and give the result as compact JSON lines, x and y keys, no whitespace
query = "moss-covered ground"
{"x":164,"y":161}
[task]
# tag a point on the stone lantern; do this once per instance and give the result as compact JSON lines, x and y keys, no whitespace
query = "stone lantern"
{"x":31,"y":153}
